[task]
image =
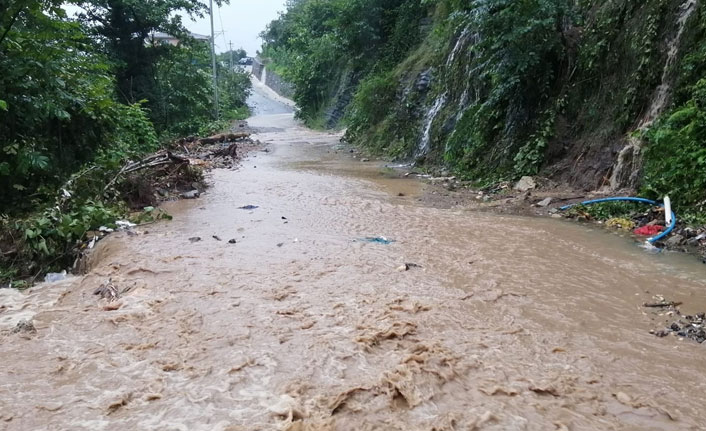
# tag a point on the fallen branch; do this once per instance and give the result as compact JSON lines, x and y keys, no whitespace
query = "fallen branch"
{"x":662,"y":304}
{"x":224,"y":137}
{"x":66,"y":191}
{"x":230,"y":151}
{"x":9,"y":252}
{"x":159,"y":159}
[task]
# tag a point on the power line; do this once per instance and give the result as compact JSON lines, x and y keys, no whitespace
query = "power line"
{"x":231,"y":56}
{"x":213,"y":63}
{"x":223,"y":31}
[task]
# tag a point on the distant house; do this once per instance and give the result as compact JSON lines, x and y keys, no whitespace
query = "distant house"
{"x":159,"y":37}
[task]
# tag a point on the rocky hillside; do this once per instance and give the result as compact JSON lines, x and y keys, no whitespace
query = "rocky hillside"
{"x":600,"y":94}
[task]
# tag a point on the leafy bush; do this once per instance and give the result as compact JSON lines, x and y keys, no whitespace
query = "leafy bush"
{"x":225,"y":123}
{"x":234,"y":89}
{"x":182,"y":99}
{"x":607,"y":210}
{"x":47,"y":241}
{"x":78,"y":99}
{"x":675,"y":158}
{"x":372,"y":102}
{"x":58,"y":108}
{"x":517,"y":60}
{"x":316,"y":42}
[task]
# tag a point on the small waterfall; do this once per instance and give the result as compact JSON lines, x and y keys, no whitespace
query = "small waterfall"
{"x":460,"y":43}
{"x":464,"y":39}
{"x":425,"y":142}
{"x":429,"y":118}
{"x":659,"y":100}
{"x":626,"y":171}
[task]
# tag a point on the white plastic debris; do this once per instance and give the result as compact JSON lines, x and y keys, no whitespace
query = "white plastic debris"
{"x":124,"y":224}
{"x":650,"y":247}
{"x":667,"y":211}
{"x":53,"y":277}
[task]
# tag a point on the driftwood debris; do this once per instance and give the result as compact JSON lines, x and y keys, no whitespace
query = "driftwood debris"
{"x":662,"y":304}
{"x":168,"y":158}
{"x":223,"y":137}
{"x":154,"y":160}
{"x":158,"y":159}
{"x":230,"y":151}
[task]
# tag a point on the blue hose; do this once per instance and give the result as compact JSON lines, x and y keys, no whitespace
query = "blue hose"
{"x":654,"y":239}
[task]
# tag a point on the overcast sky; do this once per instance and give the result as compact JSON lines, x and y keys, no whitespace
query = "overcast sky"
{"x":240,"y":22}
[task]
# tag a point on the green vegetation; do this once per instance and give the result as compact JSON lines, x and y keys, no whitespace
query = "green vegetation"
{"x":676,"y":156}
{"x":548,"y":87}
{"x":607,"y":210}
{"x":324,"y":46}
{"x":225,"y":58}
{"x":79,"y":98}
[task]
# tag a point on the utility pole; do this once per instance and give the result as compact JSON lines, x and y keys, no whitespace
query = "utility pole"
{"x":231,"y":54}
{"x":213,"y":62}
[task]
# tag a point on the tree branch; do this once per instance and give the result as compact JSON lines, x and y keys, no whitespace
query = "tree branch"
{"x":12,"y":22}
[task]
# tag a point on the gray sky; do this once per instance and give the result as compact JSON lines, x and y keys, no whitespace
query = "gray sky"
{"x":240,"y":22}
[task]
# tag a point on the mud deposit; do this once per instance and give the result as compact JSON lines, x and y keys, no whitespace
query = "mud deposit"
{"x":504,"y":323}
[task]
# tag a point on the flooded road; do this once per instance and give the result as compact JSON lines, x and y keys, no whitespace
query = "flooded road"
{"x":508,"y":323}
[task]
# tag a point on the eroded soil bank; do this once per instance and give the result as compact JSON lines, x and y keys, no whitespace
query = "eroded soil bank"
{"x":508,"y":323}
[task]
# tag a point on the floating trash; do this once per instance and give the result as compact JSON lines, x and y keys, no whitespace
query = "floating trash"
{"x":124,"y":224}
{"x":650,"y":247}
{"x":378,"y":240}
{"x":649,"y":230}
{"x":622,"y":223}
{"x":53,"y":277}
{"x":407,"y":267}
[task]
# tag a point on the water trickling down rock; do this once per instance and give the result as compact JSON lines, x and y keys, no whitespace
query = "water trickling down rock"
{"x":626,"y":171}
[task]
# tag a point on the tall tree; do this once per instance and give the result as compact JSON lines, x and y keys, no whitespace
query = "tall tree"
{"x":124,"y":28}
{"x":58,"y":105}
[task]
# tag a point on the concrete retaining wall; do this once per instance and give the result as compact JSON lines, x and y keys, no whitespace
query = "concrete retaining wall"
{"x":272,"y":80}
{"x":277,"y":83}
{"x":257,"y":68}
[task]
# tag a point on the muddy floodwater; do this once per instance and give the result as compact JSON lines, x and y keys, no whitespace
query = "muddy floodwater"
{"x":507,"y":323}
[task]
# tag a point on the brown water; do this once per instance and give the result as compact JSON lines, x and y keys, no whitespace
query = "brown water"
{"x":510,"y":323}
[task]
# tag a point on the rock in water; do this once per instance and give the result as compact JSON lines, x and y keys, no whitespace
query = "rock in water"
{"x":193,"y":194}
{"x":24,"y":326}
{"x":675,"y":241}
{"x":424,"y":81}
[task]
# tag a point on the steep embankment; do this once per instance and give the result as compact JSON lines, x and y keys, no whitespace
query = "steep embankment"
{"x":606,"y":94}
